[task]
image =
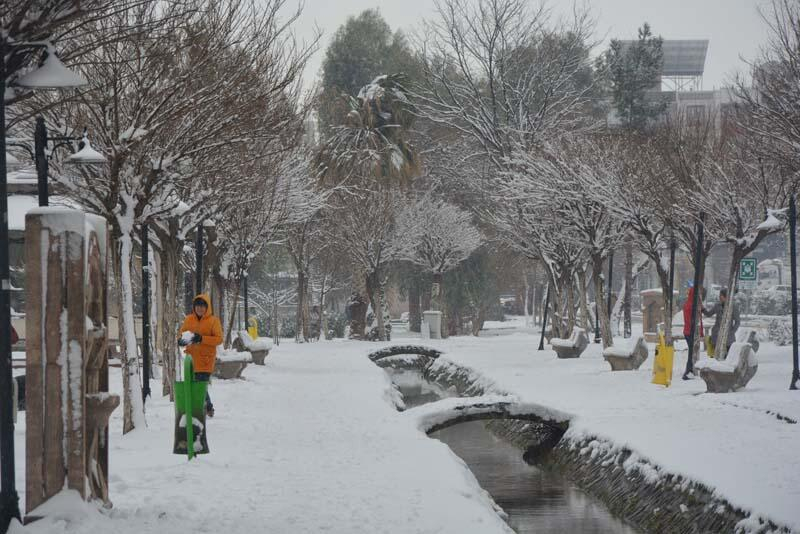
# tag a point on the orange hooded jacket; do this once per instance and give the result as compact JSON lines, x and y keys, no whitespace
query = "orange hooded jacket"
{"x":204,"y":354}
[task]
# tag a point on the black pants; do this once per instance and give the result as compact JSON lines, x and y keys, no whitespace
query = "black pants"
{"x":205,"y":377}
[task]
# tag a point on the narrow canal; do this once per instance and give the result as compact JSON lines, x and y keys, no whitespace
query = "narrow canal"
{"x":535,"y":500}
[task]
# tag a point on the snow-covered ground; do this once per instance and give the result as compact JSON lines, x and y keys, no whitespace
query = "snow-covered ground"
{"x":740,"y":444}
{"x":312,"y":443}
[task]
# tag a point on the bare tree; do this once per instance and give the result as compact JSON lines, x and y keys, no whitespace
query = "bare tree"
{"x":504,"y":74}
{"x":436,"y":236}
{"x":175,"y":103}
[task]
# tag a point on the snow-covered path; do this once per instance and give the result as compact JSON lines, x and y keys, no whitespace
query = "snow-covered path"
{"x":309,"y":443}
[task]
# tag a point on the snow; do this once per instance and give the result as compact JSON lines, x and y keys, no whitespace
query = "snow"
{"x":87,"y":155}
{"x":52,"y":74}
{"x":262,"y":343}
{"x":20,"y":205}
{"x":311,"y":442}
{"x":231,"y":355}
{"x":659,"y":425}
{"x":772,"y":223}
{"x":731,"y":362}
{"x":187,"y":337}
{"x":622,"y":348}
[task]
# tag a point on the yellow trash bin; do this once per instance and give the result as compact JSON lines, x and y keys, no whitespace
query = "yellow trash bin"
{"x":662,"y":364}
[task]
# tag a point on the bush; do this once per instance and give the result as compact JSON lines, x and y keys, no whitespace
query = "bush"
{"x":780,"y":332}
{"x":288,"y":326}
{"x":767,"y":302}
{"x":337,"y":322}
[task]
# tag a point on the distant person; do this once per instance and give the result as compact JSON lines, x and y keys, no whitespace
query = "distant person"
{"x":687,"y":315}
{"x":716,"y":312}
{"x":207,"y":335}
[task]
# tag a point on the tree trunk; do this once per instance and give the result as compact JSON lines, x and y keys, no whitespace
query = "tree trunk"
{"x":299,"y":323}
{"x":305,"y":309}
{"x":599,"y":296}
{"x":426,"y":297}
{"x":721,"y":348}
{"x":699,"y":312}
{"x":379,"y":310}
{"x":586,"y":322}
{"x":414,"y":312}
{"x":170,"y":266}
{"x":133,"y":405}
{"x":626,"y":297}
{"x":323,"y":315}
{"x":571,"y":303}
{"x":234,"y":306}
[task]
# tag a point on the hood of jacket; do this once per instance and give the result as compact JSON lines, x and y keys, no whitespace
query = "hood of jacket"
{"x":205,"y":298}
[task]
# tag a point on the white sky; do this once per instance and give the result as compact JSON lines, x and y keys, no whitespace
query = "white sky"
{"x":734,"y":27}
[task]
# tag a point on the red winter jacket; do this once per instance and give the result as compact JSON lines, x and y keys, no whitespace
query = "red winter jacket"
{"x":687,"y":314}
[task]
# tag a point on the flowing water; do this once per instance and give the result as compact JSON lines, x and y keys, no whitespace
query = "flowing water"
{"x":535,"y":500}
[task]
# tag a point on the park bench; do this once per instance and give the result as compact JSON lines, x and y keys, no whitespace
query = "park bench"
{"x":231,"y":363}
{"x":731,"y":374}
{"x":626,"y":357}
{"x":258,"y":348}
{"x":573,"y":346}
{"x":749,"y":336}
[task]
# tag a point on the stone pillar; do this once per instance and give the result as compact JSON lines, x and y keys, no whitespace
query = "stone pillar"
{"x":67,"y":400}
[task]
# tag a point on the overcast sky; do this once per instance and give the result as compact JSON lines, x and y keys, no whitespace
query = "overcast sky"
{"x":733,"y":27}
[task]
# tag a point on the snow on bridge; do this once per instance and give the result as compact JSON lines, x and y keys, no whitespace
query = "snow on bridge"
{"x":441,"y":414}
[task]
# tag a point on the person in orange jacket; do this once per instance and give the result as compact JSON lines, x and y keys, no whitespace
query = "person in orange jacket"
{"x":206,"y":333}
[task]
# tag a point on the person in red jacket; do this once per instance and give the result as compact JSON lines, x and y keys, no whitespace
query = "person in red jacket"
{"x":687,"y":314}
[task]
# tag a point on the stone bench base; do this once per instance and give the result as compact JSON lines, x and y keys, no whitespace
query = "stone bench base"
{"x":630,"y":362}
{"x":228,"y":370}
{"x":568,"y":352}
{"x":721,"y":382}
{"x":259,"y":356}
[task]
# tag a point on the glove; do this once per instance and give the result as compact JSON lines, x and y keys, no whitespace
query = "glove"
{"x":197,"y":338}
{"x":182,"y":342}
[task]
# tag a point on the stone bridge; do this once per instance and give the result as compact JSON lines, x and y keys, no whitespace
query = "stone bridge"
{"x":397,"y":350}
{"x":452,"y":411}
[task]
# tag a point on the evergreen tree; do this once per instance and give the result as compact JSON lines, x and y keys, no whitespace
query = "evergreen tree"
{"x":634,"y":72}
{"x":360,"y":50}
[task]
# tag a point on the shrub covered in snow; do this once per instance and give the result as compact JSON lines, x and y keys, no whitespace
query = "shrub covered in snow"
{"x":771,"y":302}
{"x":780,"y":331}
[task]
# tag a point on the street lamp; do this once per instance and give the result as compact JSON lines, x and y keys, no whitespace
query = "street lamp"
{"x":85,"y":154}
{"x":50,"y":75}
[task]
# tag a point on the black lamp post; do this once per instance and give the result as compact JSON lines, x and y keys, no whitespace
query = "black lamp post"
{"x":610,"y":282}
{"x":544,"y":317}
{"x":145,"y":240}
{"x":86,"y":155}
{"x":793,"y":274}
{"x":246,"y":303}
{"x":198,"y":261}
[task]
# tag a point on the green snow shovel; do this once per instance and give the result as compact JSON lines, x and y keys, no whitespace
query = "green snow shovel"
{"x":190,"y":413}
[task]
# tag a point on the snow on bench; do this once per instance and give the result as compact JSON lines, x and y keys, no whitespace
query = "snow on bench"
{"x":573,"y":346}
{"x":627,"y":356}
{"x":724,"y":376}
{"x":749,"y":336}
{"x":258,"y":348}
{"x":441,"y":414}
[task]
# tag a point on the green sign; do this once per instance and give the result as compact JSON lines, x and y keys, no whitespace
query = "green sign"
{"x":748,"y":270}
